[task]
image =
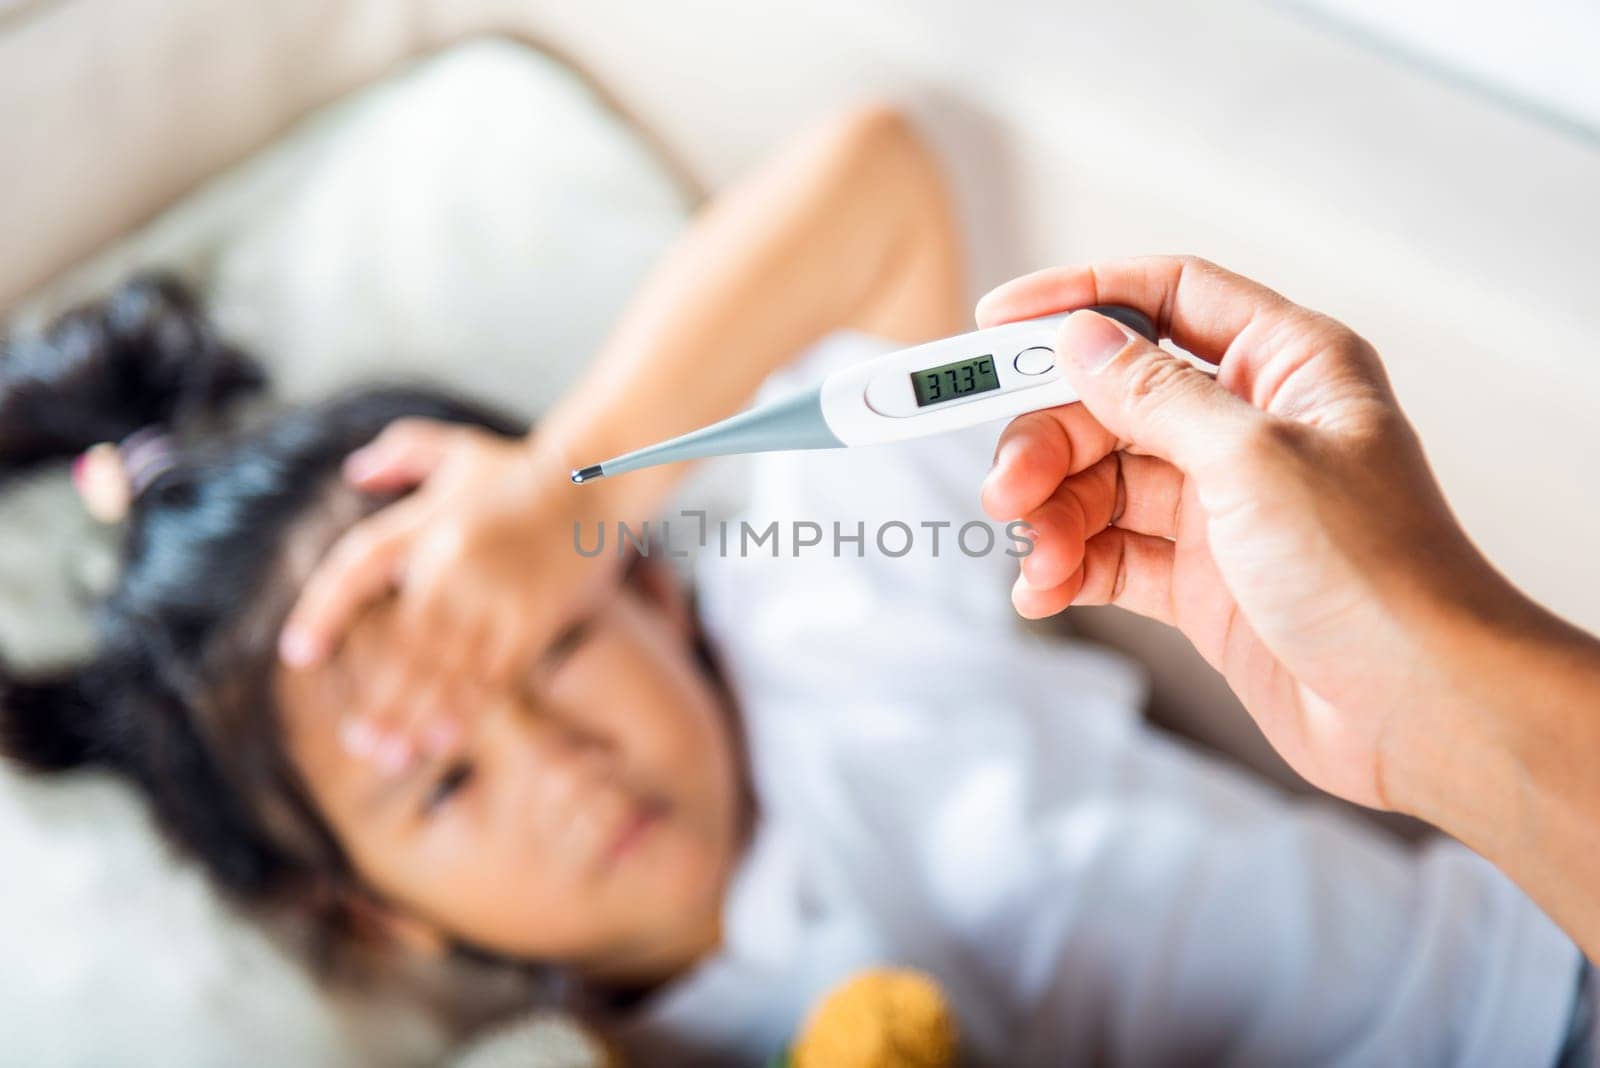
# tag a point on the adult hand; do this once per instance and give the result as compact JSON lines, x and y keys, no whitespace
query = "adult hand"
{"x":481,"y":559}
{"x":1282,"y":515}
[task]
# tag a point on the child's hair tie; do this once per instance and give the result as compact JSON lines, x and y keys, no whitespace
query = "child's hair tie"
{"x":111,"y":475}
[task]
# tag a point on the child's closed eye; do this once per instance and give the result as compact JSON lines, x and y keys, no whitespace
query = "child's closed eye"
{"x":455,"y":777}
{"x":565,"y":643}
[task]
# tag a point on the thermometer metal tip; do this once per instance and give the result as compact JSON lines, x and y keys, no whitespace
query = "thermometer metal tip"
{"x":795,"y":423}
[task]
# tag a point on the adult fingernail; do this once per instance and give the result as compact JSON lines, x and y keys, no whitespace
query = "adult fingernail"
{"x":358,"y":737}
{"x":1090,"y":340}
{"x":995,"y":492}
{"x":1009,"y":454}
{"x":296,"y":648}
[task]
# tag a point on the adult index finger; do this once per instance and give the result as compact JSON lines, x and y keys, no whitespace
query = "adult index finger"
{"x":1197,"y":304}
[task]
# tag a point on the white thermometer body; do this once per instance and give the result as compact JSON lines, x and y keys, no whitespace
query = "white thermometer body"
{"x":932,"y":388}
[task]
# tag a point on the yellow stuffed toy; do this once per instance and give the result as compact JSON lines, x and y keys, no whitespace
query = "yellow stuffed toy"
{"x":884,"y":1018}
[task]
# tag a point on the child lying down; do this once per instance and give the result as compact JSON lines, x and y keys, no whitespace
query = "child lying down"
{"x":699,"y":821}
{"x":689,"y":818}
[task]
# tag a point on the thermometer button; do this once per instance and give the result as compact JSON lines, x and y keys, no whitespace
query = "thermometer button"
{"x":1034,"y":361}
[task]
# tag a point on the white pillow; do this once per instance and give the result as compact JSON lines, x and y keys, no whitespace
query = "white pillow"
{"x":479,"y":219}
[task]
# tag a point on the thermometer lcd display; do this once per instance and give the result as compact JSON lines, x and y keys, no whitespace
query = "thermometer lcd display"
{"x":951,"y":381}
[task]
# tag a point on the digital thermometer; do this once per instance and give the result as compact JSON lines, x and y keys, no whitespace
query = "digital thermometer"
{"x":942,"y":385}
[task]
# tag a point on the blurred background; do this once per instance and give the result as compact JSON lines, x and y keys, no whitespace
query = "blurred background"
{"x":470,"y":189}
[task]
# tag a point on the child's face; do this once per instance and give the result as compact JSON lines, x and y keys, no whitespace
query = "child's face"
{"x":590,"y":816}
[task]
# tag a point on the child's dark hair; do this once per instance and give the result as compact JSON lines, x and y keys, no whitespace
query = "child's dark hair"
{"x":178,"y":697}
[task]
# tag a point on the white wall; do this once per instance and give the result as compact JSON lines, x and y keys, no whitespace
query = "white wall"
{"x":1539,"y":54}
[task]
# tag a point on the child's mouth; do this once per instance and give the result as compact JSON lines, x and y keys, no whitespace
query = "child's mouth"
{"x":646,"y":815}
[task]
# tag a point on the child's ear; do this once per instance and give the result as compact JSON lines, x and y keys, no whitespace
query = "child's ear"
{"x":659,"y":585}
{"x":379,"y":923}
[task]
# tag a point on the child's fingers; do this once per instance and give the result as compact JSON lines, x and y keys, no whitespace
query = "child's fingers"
{"x":422,"y":708}
{"x":406,"y":713}
{"x":506,"y":650}
{"x":463,"y":626}
{"x":363,"y":566}
{"x":442,"y":608}
{"x":378,"y":728}
{"x":406,"y":453}
{"x":359,"y":736}
{"x":431,"y":721}
{"x":416,"y":688}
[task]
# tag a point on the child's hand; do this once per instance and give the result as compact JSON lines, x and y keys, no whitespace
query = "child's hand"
{"x":481,"y":557}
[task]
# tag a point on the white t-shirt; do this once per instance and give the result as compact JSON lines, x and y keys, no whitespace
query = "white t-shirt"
{"x":941,"y":788}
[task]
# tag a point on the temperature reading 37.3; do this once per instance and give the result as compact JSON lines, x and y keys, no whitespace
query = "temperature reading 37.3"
{"x":952,"y":380}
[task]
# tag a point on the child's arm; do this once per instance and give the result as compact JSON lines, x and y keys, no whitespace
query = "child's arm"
{"x":849,"y":226}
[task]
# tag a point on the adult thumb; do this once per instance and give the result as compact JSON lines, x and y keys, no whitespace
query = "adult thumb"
{"x":1148,"y":397}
